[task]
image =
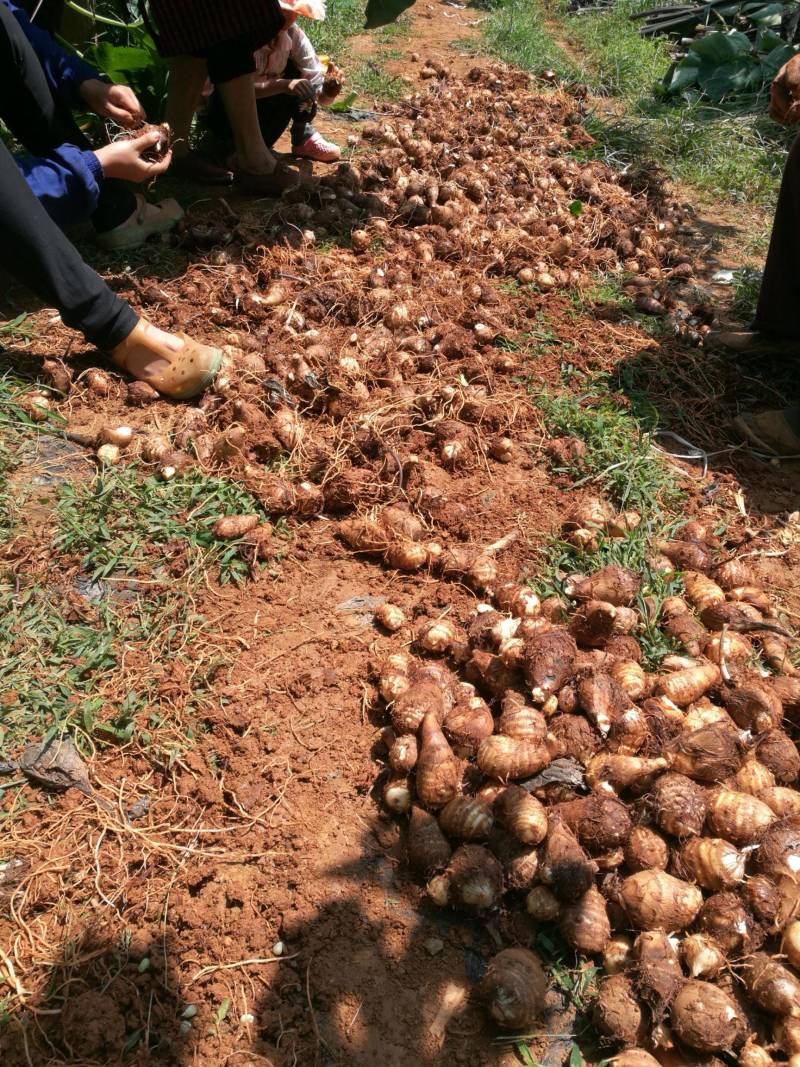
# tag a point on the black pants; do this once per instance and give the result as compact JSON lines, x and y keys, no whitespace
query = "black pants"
{"x":275,"y":113}
{"x":40,"y":122}
{"x":229,"y":60}
{"x":778,"y":310}
{"x":35,"y":251}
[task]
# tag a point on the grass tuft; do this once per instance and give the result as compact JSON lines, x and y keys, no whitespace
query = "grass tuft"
{"x":117,"y":519}
{"x":619,"y":457}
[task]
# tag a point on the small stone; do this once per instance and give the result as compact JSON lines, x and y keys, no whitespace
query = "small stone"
{"x":433,"y":946}
{"x":189,"y":1011}
{"x":185,"y":1027}
{"x":278,"y":948}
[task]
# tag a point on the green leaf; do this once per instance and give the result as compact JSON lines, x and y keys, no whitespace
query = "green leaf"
{"x":721,"y":47}
{"x":576,"y":208}
{"x":222,"y":1010}
{"x":344,"y":105}
{"x":575,"y":1057}
{"x":382,"y":12}
{"x":681,"y":77}
{"x":120,"y":58}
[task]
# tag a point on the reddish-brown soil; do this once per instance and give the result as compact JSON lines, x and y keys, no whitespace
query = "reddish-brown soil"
{"x":267,"y":829}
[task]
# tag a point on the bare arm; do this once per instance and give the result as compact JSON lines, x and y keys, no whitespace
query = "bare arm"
{"x":272,"y":87}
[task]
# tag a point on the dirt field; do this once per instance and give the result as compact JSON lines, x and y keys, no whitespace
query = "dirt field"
{"x":245,"y":899}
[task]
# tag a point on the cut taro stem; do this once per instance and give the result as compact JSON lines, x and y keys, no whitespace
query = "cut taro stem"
{"x":504,"y":542}
{"x":723,"y":666}
{"x":453,"y":1000}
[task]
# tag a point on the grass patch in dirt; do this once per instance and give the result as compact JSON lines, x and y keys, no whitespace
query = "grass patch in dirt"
{"x":620,"y":462}
{"x":116,"y":519}
{"x":619,"y":458}
{"x":736,"y":152}
{"x":365,"y":76}
{"x":62,"y":661}
{"x":746,"y":286}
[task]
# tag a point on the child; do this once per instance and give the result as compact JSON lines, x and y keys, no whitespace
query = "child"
{"x":289,"y":83}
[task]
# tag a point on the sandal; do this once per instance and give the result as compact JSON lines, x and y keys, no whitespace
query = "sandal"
{"x":178,"y":375}
{"x":272,"y":184}
{"x":749,"y":343}
{"x":777,"y":433}
{"x":194,"y":167}
{"x":146,"y":220}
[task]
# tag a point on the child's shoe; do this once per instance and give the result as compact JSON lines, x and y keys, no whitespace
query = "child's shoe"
{"x":317,"y":148}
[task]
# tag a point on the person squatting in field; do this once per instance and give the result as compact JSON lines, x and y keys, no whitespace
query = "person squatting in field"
{"x":40,"y":83}
{"x":776,"y":327}
{"x":290,"y":81}
{"x":70,"y":178}
{"x":209,"y":38}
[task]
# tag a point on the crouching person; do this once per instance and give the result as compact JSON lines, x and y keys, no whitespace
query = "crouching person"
{"x":290,"y":83}
{"x":39,"y":85}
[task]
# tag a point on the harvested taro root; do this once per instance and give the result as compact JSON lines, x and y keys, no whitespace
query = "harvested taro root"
{"x":162,"y":146}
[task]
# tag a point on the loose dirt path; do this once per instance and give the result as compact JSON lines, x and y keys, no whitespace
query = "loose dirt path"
{"x":267,"y":892}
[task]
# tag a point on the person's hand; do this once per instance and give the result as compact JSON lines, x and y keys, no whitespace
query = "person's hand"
{"x":784,"y":96}
{"x":302,"y":89}
{"x":117,"y":102}
{"x":123,"y":158}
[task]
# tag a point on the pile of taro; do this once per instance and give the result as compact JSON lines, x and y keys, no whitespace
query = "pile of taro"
{"x":650,"y":814}
{"x":347,"y":366}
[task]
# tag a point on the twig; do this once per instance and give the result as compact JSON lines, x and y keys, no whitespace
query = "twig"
{"x":239,"y":963}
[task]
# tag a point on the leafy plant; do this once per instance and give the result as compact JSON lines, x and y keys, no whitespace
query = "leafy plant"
{"x":138,"y":65}
{"x":723,"y":64}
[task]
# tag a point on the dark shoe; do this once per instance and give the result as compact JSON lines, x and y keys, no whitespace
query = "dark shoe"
{"x":272,"y":184}
{"x":748,"y":343}
{"x":195,"y":168}
{"x":777,"y":433}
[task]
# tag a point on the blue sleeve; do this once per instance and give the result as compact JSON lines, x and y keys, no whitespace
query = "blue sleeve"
{"x":64,"y":72}
{"x":67,"y":182}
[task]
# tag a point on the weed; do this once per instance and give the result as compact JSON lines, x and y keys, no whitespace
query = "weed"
{"x":619,"y":457}
{"x":516,"y":31}
{"x":118,"y":518}
{"x":17,"y":327}
{"x":369,"y":79}
{"x":60,"y":665}
{"x":606,"y":291}
{"x":747,"y":283}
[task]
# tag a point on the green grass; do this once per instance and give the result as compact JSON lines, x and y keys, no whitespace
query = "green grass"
{"x":62,"y":675}
{"x":118,"y":519}
{"x":747,"y":283}
{"x":733,"y":152}
{"x":516,"y":31}
{"x":619,"y":458}
{"x":365,"y":76}
{"x":86,"y":653}
{"x":620,"y":462}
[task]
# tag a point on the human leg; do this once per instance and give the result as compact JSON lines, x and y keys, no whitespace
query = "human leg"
{"x":187,"y":76}
{"x":778,"y":311}
{"x":34,"y":250}
{"x":37,"y":253}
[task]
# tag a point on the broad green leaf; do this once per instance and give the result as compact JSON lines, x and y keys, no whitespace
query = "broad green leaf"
{"x":119,"y":58}
{"x":382,"y":12}
{"x":344,"y":105}
{"x":720,"y":47}
{"x":682,"y":76}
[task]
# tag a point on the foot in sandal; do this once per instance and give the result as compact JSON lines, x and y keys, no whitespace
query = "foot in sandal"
{"x":749,"y":343}
{"x":775,"y":432}
{"x":174,"y":364}
{"x":147,"y":220}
